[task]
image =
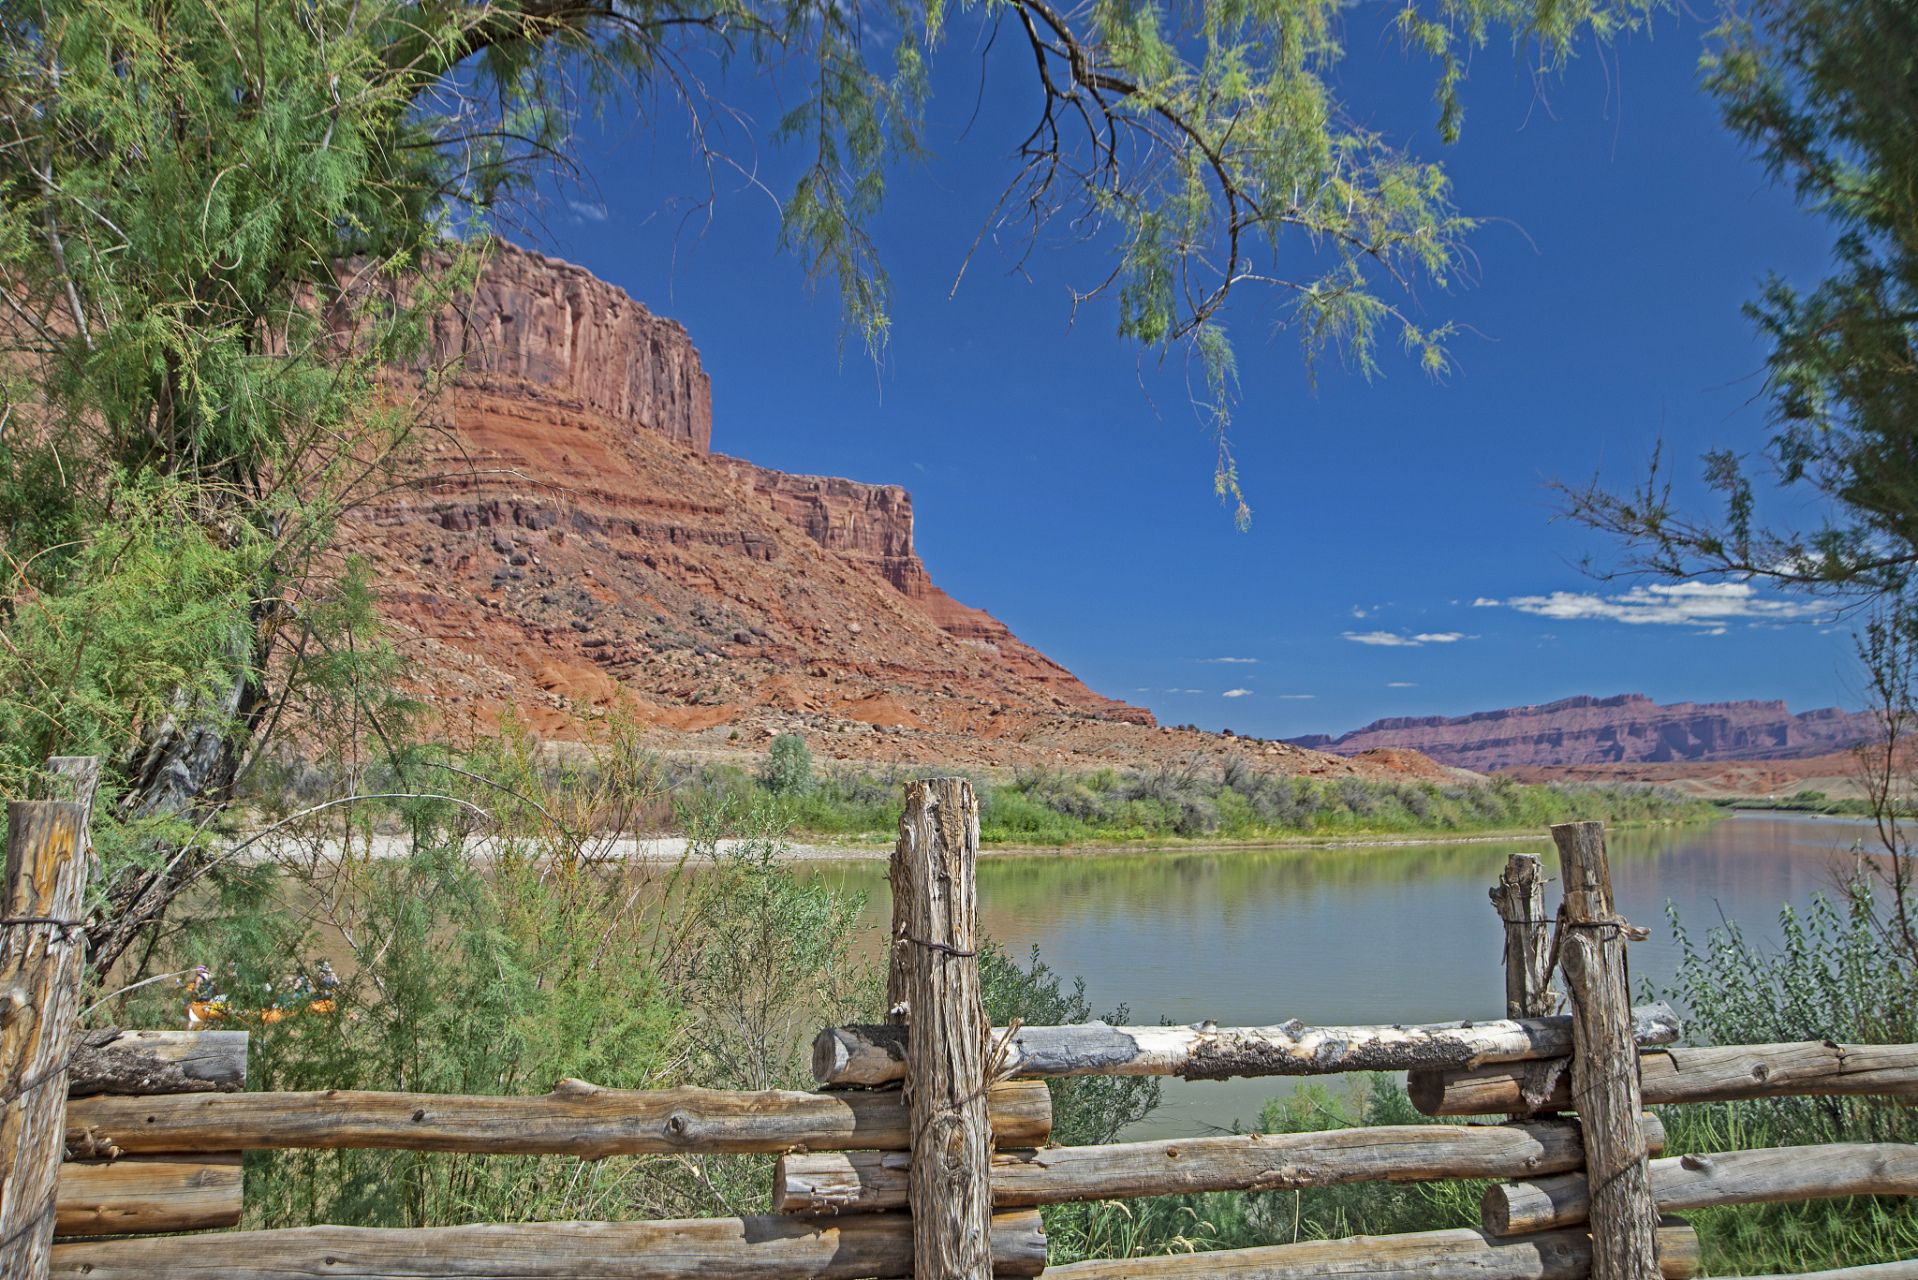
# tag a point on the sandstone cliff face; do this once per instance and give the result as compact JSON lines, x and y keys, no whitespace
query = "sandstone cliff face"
{"x":546,"y":323}
{"x":1630,"y":727}
{"x":871,"y":526}
{"x":573,"y":544}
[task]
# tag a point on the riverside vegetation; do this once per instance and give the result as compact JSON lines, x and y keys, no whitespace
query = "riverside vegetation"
{"x":1197,"y":800}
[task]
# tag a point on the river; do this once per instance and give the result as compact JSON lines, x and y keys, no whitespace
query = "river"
{"x":1401,"y":933}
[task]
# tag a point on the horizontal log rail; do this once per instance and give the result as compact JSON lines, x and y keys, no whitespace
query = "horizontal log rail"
{"x":1670,"y":1076}
{"x":776,"y":1247}
{"x":1706,"y":1181}
{"x":873,"y":1055}
{"x":1458,"y":1254}
{"x":142,"y":1194}
{"x":576,"y":1118}
{"x":157,"y":1062}
{"x":822,"y":1182}
{"x":1904,"y":1270}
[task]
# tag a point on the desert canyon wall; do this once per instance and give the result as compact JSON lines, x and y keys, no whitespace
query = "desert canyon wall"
{"x":1623,"y":729}
{"x":572,"y":542}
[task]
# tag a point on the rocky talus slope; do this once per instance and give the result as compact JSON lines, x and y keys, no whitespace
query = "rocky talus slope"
{"x":572,"y":543}
{"x":1626,"y":729}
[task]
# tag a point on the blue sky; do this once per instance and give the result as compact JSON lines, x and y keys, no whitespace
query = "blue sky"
{"x":1402,"y":559}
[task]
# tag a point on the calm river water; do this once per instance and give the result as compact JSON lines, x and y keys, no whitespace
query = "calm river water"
{"x":1359,"y":935}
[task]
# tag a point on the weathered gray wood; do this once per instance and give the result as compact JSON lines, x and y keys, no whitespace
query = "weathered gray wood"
{"x":873,"y":1055}
{"x":766,"y":1248}
{"x":73,"y":779}
{"x":575,"y":1119}
{"x":1678,"y":1075}
{"x":1706,"y":1181}
{"x":1458,"y":1254}
{"x":829,"y":1181}
{"x":898,"y":955}
{"x":1906,"y":1270}
{"x":949,"y":1183}
{"x":142,"y":1194}
{"x":45,"y":880}
{"x":155,"y":1062}
{"x":1624,"y":1217}
{"x":1519,"y":899}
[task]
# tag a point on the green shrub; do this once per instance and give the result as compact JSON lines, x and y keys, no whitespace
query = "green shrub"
{"x":788,"y":766}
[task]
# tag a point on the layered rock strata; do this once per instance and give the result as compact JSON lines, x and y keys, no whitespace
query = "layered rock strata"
{"x":1626,"y":728}
{"x":572,"y":544}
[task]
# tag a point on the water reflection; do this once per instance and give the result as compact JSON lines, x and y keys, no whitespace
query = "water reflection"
{"x":1392,"y":934}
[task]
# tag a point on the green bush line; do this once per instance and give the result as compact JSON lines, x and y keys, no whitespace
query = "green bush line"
{"x":1803,"y":802}
{"x":1231,"y":801}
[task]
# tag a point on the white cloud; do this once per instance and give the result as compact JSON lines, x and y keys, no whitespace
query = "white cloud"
{"x":590,"y":212}
{"x":1236,"y":693}
{"x":1483,"y":603}
{"x":1228,"y":659}
{"x":1700,"y":604}
{"x":1400,"y":684}
{"x":1296,"y":697}
{"x":1394,"y":639}
{"x":1357,"y":612}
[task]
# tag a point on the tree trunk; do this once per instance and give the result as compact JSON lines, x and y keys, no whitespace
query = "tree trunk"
{"x":187,"y":764}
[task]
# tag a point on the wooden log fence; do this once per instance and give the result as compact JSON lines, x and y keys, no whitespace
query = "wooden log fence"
{"x":943,"y":1178}
{"x":864,"y":1181}
{"x":113,"y":1060}
{"x":1707,"y":1181}
{"x":876,"y":1055}
{"x":576,"y":1118}
{"x":1669,"y":1077}
{"x":142,"y":1194}
{"x":42,"y":899}
{"x":873,"y":1246}
{"x":1624,"y":1217}
{"x":1459,"y":1254}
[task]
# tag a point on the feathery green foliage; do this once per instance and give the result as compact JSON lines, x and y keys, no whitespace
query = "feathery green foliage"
{"x":1821,"y":91}
{"x":788,"y":765}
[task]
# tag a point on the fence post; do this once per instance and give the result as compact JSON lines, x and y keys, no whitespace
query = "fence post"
{"x":1519,"y":898}
{"x":1605,"y":1087}
{"x":41,"y":943}
{"x":935,"y":956}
